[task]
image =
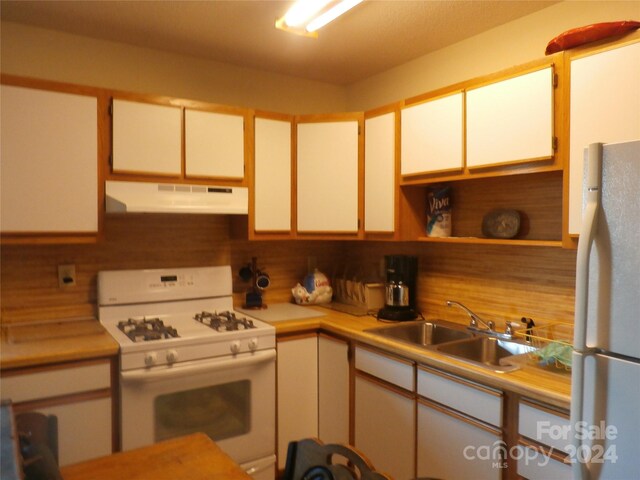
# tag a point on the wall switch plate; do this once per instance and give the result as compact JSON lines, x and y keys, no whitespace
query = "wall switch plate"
{"x":66,"y":276}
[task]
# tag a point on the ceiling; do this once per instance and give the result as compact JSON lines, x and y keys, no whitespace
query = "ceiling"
{"x":373,"y":37}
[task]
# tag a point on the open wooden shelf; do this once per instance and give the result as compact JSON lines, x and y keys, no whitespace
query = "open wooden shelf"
{"x":493,"y":241}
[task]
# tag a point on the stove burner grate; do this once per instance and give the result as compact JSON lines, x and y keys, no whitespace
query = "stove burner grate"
{"x":224,"y":321}
{"x":147,"y":329}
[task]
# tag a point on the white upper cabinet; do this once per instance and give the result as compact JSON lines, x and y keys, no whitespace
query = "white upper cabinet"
{"x":214,"y":144}
{"x":432,"y":136}
{"x":327,"y":174}
{"x":272,"y":175}
{"x":511,"y":121}
{"x":379,"y":173}
{"x":605,"y":108}
{"x":147,"y":138}
{"x":49,"y":158}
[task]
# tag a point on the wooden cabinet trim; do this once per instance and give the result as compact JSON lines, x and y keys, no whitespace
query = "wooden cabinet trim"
{"x":385,"y":353}
{"x":545,"y":408}
{"x":384,"y":384}
{"x":58,"y":366}
{"x":462,"y":381}
{"x":39,"y":403}
{"x":544,"y":449}
{"x":459,"y":416}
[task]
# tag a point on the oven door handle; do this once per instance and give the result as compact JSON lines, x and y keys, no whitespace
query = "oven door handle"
{"x":209,"y":366}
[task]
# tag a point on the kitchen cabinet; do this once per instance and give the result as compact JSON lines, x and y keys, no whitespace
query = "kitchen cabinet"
{"x":79,"y":394}
{"x":385,"y":418}
{"x":313,"y":390}
{"x":459,"y":428}
{"x":147,"y":138}
{"x":612,"y":115}
{"x":511,"y":121}
{"x":297,"y":378}
{"x":543,"y":446}
{"x":333,"y":389}
{"x":380,"y":173}
{"x":272,"y":184}
{"x":328,"y":174}
{"x":49,"y":163}
{"x":214,"y":144}
{"x":433,"y":135}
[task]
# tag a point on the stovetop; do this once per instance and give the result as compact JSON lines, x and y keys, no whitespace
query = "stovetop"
{"x":166,"y":316}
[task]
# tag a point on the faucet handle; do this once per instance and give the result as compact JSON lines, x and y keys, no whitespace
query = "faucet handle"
{"x":510,"y":327}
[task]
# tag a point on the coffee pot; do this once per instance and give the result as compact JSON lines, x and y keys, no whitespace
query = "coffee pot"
{"x":400,"y":288}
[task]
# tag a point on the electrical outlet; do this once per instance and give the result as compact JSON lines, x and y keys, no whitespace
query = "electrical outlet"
{"x":66,"y":276}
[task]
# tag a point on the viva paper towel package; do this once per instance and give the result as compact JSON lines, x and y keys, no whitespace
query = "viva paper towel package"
{"x":439,"y":211}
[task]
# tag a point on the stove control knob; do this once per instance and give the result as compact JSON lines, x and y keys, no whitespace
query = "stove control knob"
{"x":172,"y":356}
{"x":235,"y":347}
{"x":150,"y":359}
{"x":253,"y":344}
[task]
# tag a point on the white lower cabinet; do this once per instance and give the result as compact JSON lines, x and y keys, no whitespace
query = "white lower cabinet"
{"x":385,"y":416}
{"x":454,"y":446}
{"x":297,"y":391}
{"x":79,"y":395}
{"x":543,"y":445}
{"x":313,"y":390}
{"x":459,"y":428}
{"x":333,"y":390}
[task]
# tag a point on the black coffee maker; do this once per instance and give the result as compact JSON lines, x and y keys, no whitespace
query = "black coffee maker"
{"x":400,"y":288}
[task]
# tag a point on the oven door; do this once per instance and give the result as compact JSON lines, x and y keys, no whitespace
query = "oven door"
{"x":231,"y":399}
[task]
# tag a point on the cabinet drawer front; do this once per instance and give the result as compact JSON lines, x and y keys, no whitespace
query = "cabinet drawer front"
{"x":386,"y":368}
{"x":533,"y":465}
{"x":544,"y":427}
{"x":54,"y":383}
{"x":84,"y":429}
{"x":483,"y":404}
{"x":449,"y":447}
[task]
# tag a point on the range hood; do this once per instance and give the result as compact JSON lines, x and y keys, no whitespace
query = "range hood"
{"x":143,"y":197}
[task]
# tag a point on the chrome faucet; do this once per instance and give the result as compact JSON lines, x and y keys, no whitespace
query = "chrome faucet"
{"x":475,"y":319}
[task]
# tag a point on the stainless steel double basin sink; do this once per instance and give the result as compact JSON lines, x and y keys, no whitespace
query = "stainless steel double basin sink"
{"x":480,"y":349}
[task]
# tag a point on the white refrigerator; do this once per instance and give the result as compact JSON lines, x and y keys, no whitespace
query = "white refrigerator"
{"x":605,"y":397}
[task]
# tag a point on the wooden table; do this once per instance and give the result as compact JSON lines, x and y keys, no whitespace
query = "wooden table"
{"x":195,"y":457}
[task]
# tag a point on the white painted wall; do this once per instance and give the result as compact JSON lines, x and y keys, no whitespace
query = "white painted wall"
{"x":513,"y":43}
{"x":52,"y":55}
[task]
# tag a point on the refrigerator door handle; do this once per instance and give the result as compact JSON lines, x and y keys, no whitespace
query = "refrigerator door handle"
{"x":587,"y":234}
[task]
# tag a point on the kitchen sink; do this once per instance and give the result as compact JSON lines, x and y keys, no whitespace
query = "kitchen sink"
{"x":485,"y":351}
{"x":423,"y":333}
{"x":456,"y":341}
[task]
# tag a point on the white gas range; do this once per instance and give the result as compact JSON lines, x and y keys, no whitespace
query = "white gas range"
{"x":189,"y":363}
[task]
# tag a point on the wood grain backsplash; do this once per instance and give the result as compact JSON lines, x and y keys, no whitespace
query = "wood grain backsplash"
{"x":497,"y":282}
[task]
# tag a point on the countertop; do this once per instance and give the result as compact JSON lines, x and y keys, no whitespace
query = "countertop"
{"x":195,"y":457}
{"x":535,"y":383}
{"x":26,"y":345}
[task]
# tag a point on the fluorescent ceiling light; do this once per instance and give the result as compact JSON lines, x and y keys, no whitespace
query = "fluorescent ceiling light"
{"x":305,"y":17}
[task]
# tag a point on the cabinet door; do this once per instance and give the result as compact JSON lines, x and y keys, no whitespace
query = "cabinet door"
{"x":380,"y":173}
{"x":327,"y":166}
{"x":297,"y":392}
{"x":84,"y":429}
{"x":272,"y":175}
{"x":147,"y":138}
{"x":79,"y":395}
{"x":535,"y":465}
{"x":511,"y":121}
{"x":333,"y":390}
{"x":214,"y":144}
{"x":49,"y":179}
{"x":452,"y":446}
{"x":432,"y":135}
{"x":605,"y":107}
{"x":385,"y":427}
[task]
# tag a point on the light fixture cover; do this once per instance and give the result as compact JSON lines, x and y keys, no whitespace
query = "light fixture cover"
{"x":305,"y":17}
